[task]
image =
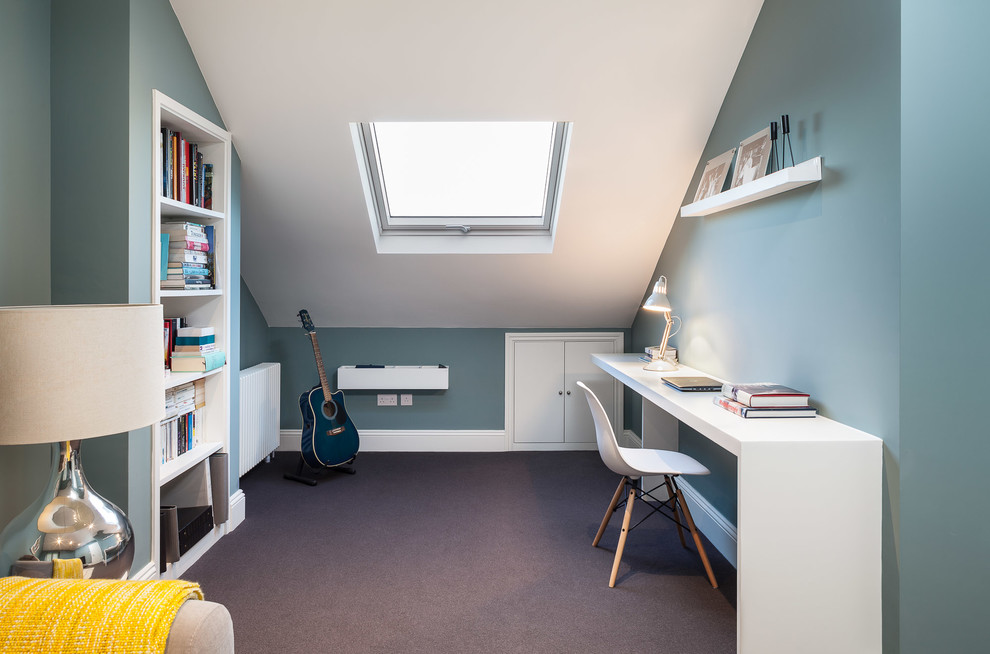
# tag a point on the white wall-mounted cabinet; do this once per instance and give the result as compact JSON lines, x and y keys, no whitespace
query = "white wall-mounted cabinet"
{"x":174,"y":473}
{"x":544,"y":408}
{"x":433,"y":377}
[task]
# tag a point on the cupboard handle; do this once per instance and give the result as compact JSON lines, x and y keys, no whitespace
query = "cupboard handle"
{"x":568,"y":392}
{"x":560,"y":392}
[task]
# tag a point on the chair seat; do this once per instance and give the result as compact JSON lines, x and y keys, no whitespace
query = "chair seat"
{"x":658,"y":462}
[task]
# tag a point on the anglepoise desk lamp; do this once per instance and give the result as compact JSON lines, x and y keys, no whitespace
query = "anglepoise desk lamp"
{"x":69,"y":373}
{"x":658,"y":302}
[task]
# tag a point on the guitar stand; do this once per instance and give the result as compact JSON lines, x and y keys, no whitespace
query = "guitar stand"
{"x":309,"y":481}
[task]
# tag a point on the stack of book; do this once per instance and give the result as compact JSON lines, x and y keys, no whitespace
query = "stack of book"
{"x":195,"y":350}
{"x":765,"y":400}
{"x":190,"y":248}
{"x":183,"y":417}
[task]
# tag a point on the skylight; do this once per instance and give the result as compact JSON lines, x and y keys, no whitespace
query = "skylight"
{"x":463,"y":179}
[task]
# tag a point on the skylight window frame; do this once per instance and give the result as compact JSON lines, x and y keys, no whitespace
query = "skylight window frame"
{"x":462,"y":225}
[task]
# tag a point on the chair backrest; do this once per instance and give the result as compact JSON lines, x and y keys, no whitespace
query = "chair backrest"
{"x":608,"y":447}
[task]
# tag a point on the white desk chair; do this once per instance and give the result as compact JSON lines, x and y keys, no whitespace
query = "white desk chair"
{"x":633,"y":463}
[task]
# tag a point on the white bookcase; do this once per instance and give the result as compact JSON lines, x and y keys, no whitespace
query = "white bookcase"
{"x":187,"y":479}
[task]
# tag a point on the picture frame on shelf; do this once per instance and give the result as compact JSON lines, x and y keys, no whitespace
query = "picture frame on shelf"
{"x":754,"y":156}
{"x":713,"y":179}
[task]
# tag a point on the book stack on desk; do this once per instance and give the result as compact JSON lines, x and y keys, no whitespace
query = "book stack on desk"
{"x":765,"y":400}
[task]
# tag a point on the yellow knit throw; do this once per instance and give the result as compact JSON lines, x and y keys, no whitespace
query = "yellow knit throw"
{"x":63,"y":616}
{"x":67,"y":568}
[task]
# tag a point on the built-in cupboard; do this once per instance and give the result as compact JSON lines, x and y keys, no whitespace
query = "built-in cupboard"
{"x":545,"y":409}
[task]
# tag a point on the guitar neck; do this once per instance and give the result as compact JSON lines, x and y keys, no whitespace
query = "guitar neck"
{"x":319,"y":366}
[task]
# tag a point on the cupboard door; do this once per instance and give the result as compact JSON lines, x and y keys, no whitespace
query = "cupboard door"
{"x":538,"y":392}
{"x":579,"y":427}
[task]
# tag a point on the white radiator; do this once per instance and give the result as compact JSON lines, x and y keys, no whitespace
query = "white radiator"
{"x":260,"y":413}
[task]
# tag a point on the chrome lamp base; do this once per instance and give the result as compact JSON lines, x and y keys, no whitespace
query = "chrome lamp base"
{"x":71,"y":521}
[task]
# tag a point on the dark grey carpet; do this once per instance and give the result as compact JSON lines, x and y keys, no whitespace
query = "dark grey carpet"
{"x":459,"y":552}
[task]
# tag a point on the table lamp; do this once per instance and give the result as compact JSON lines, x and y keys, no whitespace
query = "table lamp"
{"x":658,"y":302}
{"x":69,"y":373}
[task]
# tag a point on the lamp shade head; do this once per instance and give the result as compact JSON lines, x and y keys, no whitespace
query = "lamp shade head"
{"x":658,"y":298}
{"x":102,"y":366}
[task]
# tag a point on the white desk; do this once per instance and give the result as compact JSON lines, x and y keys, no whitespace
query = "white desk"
{"x":809,"y":493}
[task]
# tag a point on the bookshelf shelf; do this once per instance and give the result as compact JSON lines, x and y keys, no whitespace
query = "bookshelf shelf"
{"x":180,"y":210}
{"x":212,"y":291}
{"x":174,"y":379}
{"x":802,"y":174}
{"x":194,"y":477}
{"x":187,"y":461}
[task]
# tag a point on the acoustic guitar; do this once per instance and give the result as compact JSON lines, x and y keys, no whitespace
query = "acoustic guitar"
{"x":329,"y":438}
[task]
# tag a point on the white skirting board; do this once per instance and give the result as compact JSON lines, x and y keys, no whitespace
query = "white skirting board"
{"x":147,"y":573}
{"x":629,"y":438}
{"x":710,"y":522}
{"x":425,"y":440}
{"x":238,"y":510}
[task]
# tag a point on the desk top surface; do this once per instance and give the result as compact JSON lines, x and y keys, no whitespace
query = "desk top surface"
{"x":728,"y":430}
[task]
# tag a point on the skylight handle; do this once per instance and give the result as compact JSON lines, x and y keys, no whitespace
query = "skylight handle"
{"x":463,"y":228}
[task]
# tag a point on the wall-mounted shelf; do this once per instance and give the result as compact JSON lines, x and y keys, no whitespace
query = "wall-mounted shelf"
{"x":807,"y":172}
{"x":392,"y":377}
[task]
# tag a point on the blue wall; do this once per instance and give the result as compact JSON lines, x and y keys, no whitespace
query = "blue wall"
{"x":83,"y":74}
{"x":803,"y":288}
{"x":945,"y":309}
{"x":475,"y":399}
{"x":25,"y":206}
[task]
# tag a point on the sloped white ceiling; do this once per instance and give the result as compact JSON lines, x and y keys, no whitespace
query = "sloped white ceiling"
{"x":642,"y":81}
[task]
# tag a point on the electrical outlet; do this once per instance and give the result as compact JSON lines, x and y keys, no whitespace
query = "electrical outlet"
{"x":386,"y":400}
{"x":406,"y":399}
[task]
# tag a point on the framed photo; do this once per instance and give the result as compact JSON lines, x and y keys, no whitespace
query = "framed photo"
{"x":713,"y":179}
{"x":754,"y":156}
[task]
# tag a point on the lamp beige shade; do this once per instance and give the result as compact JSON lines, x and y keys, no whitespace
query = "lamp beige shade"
{"x":100,"y":368}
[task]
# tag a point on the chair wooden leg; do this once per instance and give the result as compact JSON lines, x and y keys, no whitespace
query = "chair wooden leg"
{"x":608,"y":513}
{"x":694,"y":534}
{"x":622,"y":536}
{"x":673,"y":506}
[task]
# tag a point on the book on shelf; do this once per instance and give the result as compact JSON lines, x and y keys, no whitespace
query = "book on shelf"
{"x":188,"y":243}
{"x":173,"y":284}
{"x":185,"y":362}
{"x":765,"y":394}
{"x":193,"y":186}
{"x":197,"y":331}
{"x":195,"y":349}
{"x":183,"y":169}
{"x":205,"y":339}
{"x":200,"y":393}
{"x":164,"y":255}
{"x":187,"y":267}
{"x":184,"y":229}
{"x":188,"y":256}
{"x":744,"y":411}
{"x":189,"y":278}
{"x":175,"y":166}
{"x":172,"y":325}
{"x":207,"y":186}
